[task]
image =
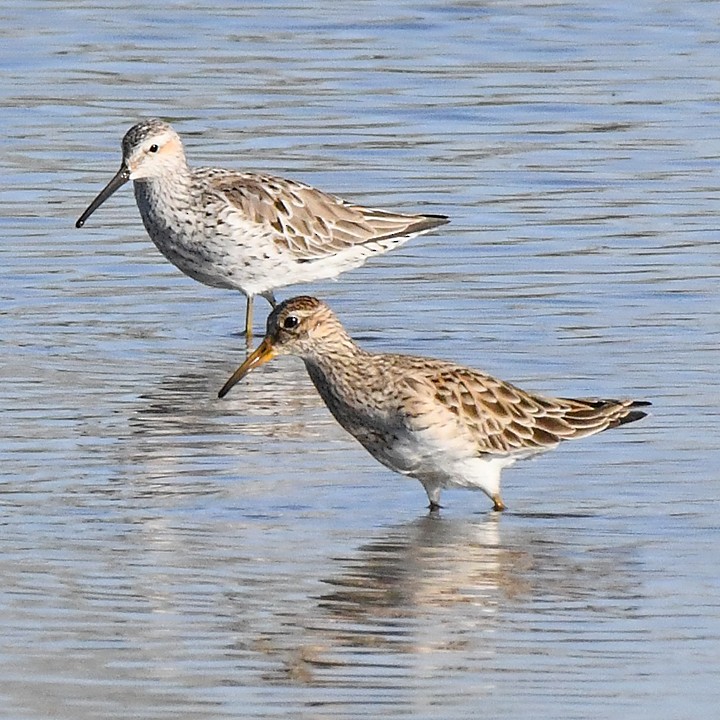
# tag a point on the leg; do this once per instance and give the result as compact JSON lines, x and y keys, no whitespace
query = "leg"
{"x":433,"y":493}
{"x":249,"y":312}
{"x":486,"y":477}
{"x":249,"y":317}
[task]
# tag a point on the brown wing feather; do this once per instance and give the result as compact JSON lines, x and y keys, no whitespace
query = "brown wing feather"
{"x":309,"y":222}
{"x":502,"y":418}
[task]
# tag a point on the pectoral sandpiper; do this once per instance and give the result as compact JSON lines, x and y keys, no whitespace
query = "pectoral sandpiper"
{"x":244,"y":231}
{"x":444,"y":424}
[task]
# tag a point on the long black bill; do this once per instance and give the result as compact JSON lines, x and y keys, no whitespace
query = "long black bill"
{"x":122,"y":176}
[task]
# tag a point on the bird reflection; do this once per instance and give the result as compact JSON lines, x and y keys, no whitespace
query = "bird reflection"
{"x":438,"y":562}
{"x":182,"y":440}
{"x":432,"y":562}
{"x":443,"y":592}
{"x":188,"y":402}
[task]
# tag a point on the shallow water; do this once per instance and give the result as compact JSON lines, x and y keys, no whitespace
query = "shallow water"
{"x":169,"y":555}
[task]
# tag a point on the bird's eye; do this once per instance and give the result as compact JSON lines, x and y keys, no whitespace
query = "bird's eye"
{"x":290,"y":322}
{"x":153,"y":148}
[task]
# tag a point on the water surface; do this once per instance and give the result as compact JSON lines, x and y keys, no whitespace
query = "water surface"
{"x":168,"y":555}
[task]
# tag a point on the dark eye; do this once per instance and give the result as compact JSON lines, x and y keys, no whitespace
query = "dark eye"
{"x":153,"y":148}
{"x":290,"y":322}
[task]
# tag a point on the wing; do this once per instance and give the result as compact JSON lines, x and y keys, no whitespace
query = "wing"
{"x":499,"y":418}
{"x":311,"y":223}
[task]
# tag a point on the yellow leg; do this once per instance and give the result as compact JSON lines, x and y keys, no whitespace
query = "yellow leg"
{"x":249,"y":318}
{"x":249,"y":312}
{"x":498,"y":505}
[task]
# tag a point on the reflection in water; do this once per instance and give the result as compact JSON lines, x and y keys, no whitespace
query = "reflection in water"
{"x":439,"y":591}
{"x":182,"y":437}
{"x":188,"y":402}
{"x":430,"y":563}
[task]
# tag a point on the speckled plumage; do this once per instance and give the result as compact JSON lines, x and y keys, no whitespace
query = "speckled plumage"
{"x":439,"y":422}
{"x":246,"y":231}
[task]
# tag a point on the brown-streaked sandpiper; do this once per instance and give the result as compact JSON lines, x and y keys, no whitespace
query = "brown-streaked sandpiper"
{"x":441,"y":423}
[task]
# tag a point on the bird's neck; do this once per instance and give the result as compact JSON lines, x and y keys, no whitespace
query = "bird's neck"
{"x":171,"y":191}
{"x":336,"y":370}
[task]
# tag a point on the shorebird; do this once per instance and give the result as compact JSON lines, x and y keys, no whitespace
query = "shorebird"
{"x":246,"y":231}
{"x":444,"y":424}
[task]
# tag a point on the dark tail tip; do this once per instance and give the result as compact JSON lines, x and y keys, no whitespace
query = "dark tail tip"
{"x":633,"y":414}
{"x":429,"y":222}
{"x":439,"y":219}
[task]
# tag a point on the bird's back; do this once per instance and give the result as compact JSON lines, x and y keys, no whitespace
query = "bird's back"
{"x":453,"y":406}
{"x":258,"y":232}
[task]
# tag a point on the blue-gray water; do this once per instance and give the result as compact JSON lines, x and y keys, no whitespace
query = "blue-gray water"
{"x":166,"y":555}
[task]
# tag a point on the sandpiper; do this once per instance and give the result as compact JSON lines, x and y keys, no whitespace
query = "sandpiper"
{"x":441,"y":423}
{"x":244,"y":231}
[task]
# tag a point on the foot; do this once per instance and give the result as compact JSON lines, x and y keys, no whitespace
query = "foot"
{"x":498,"y":504}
